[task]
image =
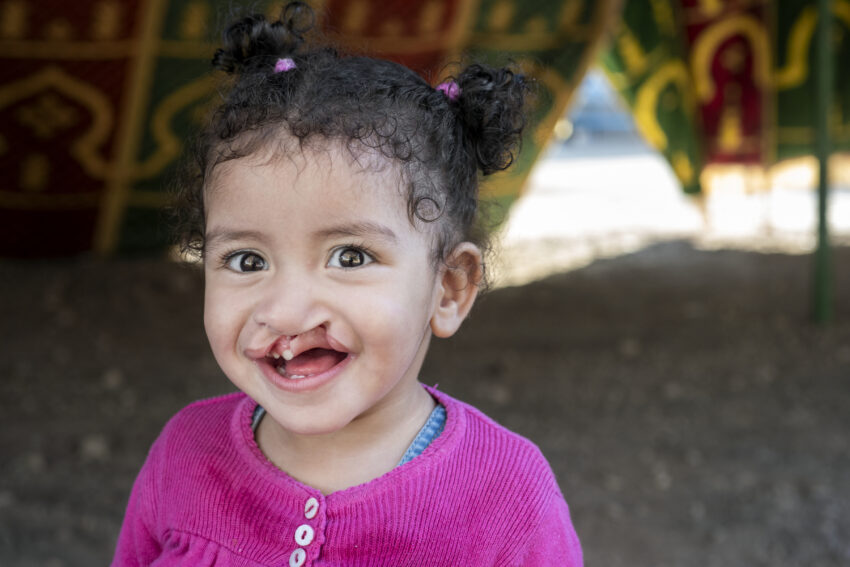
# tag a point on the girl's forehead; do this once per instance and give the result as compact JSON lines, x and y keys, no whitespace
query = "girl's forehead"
{"x":319,"y":161}
{"x":327,"y":174}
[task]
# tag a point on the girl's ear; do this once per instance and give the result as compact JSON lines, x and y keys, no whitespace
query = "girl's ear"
{"x":457,"y":289}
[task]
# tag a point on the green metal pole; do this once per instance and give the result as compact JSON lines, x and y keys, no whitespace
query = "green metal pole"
{"x":823,"y":284}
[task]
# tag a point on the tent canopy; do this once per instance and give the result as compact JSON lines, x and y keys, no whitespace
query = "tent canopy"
{"x":97,"y":96}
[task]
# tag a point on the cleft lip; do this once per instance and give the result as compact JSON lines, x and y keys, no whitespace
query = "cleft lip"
{"x":316,"y":338}
{"x":287,"y":347}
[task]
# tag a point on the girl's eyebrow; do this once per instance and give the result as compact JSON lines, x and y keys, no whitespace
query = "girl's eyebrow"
{"x":359,"y":229}
{"x":224,"y":235}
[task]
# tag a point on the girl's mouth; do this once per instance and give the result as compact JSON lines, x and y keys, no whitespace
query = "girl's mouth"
{"x":306,"y":364}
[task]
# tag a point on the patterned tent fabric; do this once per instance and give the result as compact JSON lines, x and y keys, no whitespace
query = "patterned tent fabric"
{"x":98,"y":96}
{"x":731,"y":82}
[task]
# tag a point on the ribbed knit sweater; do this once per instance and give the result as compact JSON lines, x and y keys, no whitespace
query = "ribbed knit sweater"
{"x":478,"y":496}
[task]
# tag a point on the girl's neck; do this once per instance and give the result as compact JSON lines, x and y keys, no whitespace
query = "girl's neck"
{"x":365,"y":449}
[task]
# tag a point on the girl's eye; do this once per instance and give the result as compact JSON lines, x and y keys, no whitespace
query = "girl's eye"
{"x":349,"y":257}
{"x":245,"y":262}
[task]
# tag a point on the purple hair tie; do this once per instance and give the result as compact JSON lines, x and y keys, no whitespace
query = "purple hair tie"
{"x":283,"y":65}
{"x":450,"y":89}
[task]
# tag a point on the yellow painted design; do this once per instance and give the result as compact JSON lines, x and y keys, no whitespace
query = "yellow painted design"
{"x":671,"y":74}
{"x":47,"y":115}
{"x":106,"y":20}
{"x":431,"y":16}
{"x":710,"y":8}
{"x":562,"y":91}
{"x":193,"y":22}
{"x":682,"y":167}
{"x":35,"y":172}
{"x":709,"y":42}
{"x":796,"y":67}
{"x":633,"y":53}
{"x":501,"y":15}
{"x":803,"y":135}
{"x":618,"y":80}
{"x":356,"y":16}
{"x":59,"y":29}
{"x":168,"y":144}
{"x":570,"y":14}
{"x":151,"y":15}
{"x":662,"y":11}
{"x":537,"y":24}
{"x":392,"y":27}
{"x":13,"y":19}
{"x":87,"y":148}
{"x":841,"y":8}
{"x":730,"y":137}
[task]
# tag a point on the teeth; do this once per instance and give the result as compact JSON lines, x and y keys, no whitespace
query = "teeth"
{"x":282,"y":372}
{"x":275,"y":355}
{"x":287,"y":355}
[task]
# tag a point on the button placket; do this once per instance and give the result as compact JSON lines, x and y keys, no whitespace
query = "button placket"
{"x":311,"y":508}
{"x":298,"y":557}
{"x":304,"y":534}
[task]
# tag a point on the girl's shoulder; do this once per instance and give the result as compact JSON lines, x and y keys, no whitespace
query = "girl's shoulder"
{"x":217,"y":407}
{"x":480,"y":438}
{"x":204,"y":423}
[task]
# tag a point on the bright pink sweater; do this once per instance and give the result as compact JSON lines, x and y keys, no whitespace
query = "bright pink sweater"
{"x":478,"y":496}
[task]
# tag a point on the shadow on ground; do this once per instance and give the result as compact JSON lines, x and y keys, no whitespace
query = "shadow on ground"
{"x":693,"y":415}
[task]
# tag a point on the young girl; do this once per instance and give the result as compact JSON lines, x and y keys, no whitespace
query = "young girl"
{"x":335,"y":208}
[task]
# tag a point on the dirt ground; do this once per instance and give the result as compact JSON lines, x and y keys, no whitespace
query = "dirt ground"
{"x":693,"y":415}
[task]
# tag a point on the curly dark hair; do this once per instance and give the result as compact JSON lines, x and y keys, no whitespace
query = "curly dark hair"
{"x":440,"y":144}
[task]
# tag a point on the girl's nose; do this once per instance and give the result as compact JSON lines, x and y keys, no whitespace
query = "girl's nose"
{"x":290,"y":305}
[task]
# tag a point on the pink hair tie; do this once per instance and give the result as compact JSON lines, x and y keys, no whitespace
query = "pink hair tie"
{"x":450,"y":89}
{"x":285,"y":64}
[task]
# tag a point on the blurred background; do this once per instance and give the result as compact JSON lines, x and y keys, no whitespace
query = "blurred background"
{"x":669,"y":320}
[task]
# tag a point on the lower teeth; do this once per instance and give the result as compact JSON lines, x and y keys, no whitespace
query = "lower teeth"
{"x":282,"y":371}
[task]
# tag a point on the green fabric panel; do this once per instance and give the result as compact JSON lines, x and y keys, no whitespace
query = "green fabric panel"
{"x":551,"y":41}
{"x":179,"y":95}
{"x":646,"y":64}
{"x":796,"y":22}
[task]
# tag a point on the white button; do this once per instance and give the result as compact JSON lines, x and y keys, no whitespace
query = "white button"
{"x":304,"y":535}
{"x":297,"y":558}
{"x":311,"y":508}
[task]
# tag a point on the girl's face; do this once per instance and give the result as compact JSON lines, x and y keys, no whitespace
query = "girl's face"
{"x":313,"y":259}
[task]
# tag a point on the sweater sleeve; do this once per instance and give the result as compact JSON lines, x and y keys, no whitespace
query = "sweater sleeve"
{"x":137,"y":544}
{"x":553,"y":541}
